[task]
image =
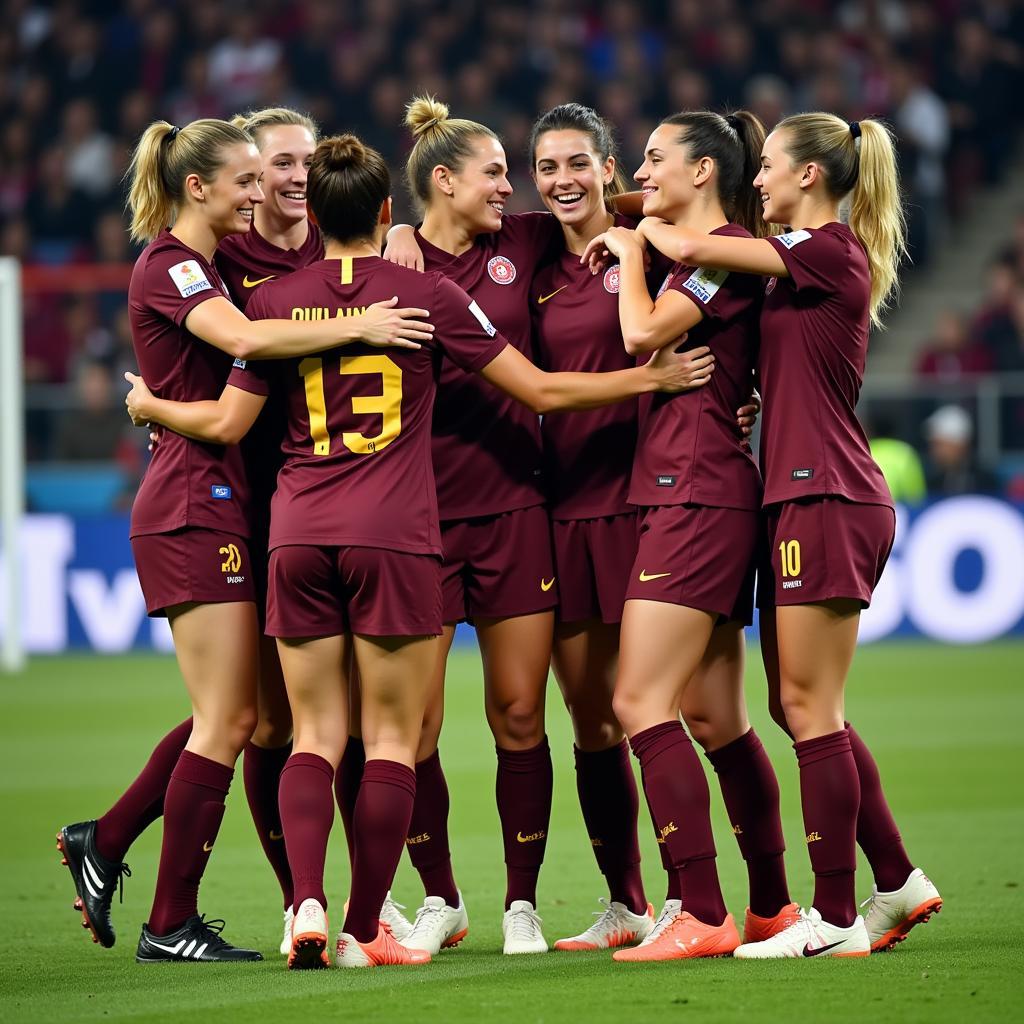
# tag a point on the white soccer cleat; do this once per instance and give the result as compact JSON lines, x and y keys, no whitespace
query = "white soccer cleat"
{"x":891,"y":915}
{"x":521,"y":928}
{"x":391,"y":914}
{"x":286,"y":941}
{"x":437,"y":925}
{"x":615,"y":926}
{"x":309,"y":938}
{"x":809,"y":936}
{"x":669,"y":912}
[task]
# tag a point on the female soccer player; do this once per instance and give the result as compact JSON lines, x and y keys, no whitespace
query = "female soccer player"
{"x":189,"y":523}
{"x":589,"y":458}
{"x":829,"y":514}
{"x":363,"y":574}
{"x":690,"y":589}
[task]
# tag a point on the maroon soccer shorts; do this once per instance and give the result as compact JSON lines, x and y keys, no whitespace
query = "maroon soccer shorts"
{"x":822,"y":548}
{"x":698,"y":556}
{"x":498,"y":567}
{"x":327,"y":591}
{"x":192,"y":565}
{"x":593,"y":558}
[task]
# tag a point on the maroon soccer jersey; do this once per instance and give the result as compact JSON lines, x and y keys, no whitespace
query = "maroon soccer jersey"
{"x":187,"y":483}
{"x":814,"y":344}
{"x":487,"y":451}
{"x":587,"y":455}
{"x":247,"y":260}
{"x":358,"y":464}
{"x":689,"y":450}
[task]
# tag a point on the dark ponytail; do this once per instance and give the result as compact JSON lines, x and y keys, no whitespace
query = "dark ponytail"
{"x":734,"y":142}
{"x":346,"y":188}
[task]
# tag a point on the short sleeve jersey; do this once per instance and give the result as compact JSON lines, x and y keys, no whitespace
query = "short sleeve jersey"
{"x":187,"y":483}
{"x":487,"y":448}
{"x":588,"y":455}
{"x":357,"y":452}
{"x":690,"y":450}
{"x":246,"y":262}
{"x":814,"y":345}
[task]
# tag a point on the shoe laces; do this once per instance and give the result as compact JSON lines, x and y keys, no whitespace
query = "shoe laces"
{"x":609,"y":918}
{"x":665,"y":918}
{"x":525,"y":924}
{"x":212,"y":929}
{"x":123,"y":872}
{"x":427,"y":917}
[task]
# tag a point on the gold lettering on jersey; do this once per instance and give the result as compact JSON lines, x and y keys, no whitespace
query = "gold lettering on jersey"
{"x":324,"y":312}
{"x":232,"y":558}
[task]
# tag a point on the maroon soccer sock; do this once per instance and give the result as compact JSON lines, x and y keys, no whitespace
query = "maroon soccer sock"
{"x":830,"y":796}
{"x":751,"y":794}
{"x":677,"y":794}
{"x":609,"y":801}
{"x":193,"y":810}
{"x":877,"y":833}
{"x":143,"y":801}
{"x":381,"y":822}
{"x":346,"y":788}
{"x":427,"y":841}
{"x":307,"y":813}
{"x":523,"y":789}
{"x":261,"y":772}
{"x":674,"y":891}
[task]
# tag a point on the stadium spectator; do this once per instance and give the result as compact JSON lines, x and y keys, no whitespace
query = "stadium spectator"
{"x":88,"y":152}
{"x":899,"y":462}
{"x":953,"y":353}
{"x":97,"y":427}
{"x":952,"y":465}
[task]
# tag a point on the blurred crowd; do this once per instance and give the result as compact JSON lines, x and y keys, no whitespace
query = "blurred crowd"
{"x":80,"y":80}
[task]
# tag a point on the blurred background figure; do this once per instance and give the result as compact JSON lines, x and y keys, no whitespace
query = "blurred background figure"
{"x":952,"y":465}
{"x":899,"y":462}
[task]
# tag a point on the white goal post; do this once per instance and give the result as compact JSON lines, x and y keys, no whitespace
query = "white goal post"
{"x":12,"y":464}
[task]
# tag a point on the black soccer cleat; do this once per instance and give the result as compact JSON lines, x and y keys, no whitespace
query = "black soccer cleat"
{"x":95,"y":877}
{"x":196,"y":941}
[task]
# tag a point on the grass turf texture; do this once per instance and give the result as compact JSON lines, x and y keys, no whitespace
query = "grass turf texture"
{"x":944,"y":724}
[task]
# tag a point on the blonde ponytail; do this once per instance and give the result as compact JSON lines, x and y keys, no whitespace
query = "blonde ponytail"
{"x":163,"y":159}
{"x":858,"y":161}
{"x":440,"y":141}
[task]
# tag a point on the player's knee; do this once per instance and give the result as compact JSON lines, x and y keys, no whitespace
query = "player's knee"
{"x":702,"y":731}
{"x":778,"y":714}
{"x":272,"y":730}
{"x":626,"y":705}
{"x":522,"y":720}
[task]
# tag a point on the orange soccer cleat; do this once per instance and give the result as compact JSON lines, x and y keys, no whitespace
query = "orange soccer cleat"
{"x":383,"y":951}
{"x":683,"y":938}
{"x":757,"y":929}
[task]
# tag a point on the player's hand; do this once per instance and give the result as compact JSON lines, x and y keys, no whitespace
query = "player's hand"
{"x":385,"y":325}
{"x":613,"y":242}
{"x":136,"y":399}
{"x":402,"y":248}
{"x":680,"y":371}
{"x":746,"y":415}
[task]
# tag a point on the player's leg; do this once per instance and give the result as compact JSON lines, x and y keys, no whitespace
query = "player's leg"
{"x":396,"y":674}
{"x":715,"y":712}
{"x":216,"y":648}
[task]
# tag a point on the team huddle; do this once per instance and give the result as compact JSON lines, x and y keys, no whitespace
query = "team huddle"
{"x":536,"y":423}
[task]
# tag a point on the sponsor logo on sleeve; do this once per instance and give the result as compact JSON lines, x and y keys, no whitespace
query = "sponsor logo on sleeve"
{"x":481,"y":318}
{"x":792,"y":238}
{"x":221,"y":492}
{"x":189,"y":278}
{"x":501,"y":270}
{"x":239,"y":364}
{"x":704,"y":284}
{"x":611,"y":280}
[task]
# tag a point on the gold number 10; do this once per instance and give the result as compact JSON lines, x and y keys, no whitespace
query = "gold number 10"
{"x":789,"y":554}
{"x":388,"y":404}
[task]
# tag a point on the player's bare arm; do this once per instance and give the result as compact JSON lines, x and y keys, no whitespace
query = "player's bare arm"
{"x":713,"y":252}
{"x":383,"y":325}
{"x":545,"y":392}
{"x":225,"y":421}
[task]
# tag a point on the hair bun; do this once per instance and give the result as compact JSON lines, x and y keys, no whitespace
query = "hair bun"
{"x":424,"y":113}
{"x":341,"y":151}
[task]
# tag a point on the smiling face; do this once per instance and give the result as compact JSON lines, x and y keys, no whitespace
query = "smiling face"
{"x":285,"y":153}
{"x":778,"y":181}
{"x":479,"y":188}
{"x":667,"y":174}
{"x":571,"y":176}
{"x":229,"y":200}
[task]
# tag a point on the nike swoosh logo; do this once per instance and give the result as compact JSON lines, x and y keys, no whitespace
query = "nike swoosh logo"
{"x":529,"y":839}
{"x":275,"y":836}
{"x":252,"y":284}
{"x":646,"y":577}
{"x":541,"y":299}
{"x":821,"y":949}
{"x":546,"y":585}
{"x":207,"y":846}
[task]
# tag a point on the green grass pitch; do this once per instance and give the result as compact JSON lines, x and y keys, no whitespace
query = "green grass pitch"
{"x":944,"y":723}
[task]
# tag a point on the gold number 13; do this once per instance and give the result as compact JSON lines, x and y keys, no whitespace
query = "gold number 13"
{"x":789,"y":554}
{"x":388,"y":404}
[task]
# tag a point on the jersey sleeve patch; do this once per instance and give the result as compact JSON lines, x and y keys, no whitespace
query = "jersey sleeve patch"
{"x":481,"y":318}
{"x":239,"y":364}
{"x":189,"y":278}
{"x":704,"y":284}
{"x":792,"y":238}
